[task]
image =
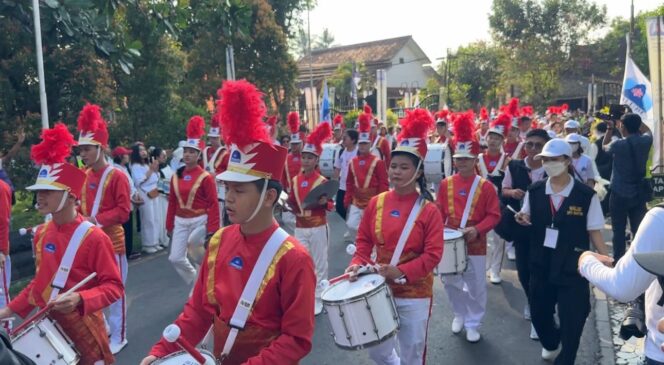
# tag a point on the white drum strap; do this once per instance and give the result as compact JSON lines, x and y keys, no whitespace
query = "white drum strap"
{"x":447,"y":160}
{"x":499,"y":165}
{"x":517,"y":151}
{"x":205,"y":159}
{"x":405,"y":233}
{"x":246,"y":302}
{"x":100,"y":191}
{"x":469,"y":202}
{"x":213,"y":160}
{"x":483,"y":170}
{"x":62,"y":274}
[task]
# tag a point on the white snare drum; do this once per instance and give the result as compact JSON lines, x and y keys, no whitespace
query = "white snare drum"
{"x":361,"y":313}
{"x":183,"y":358}
{"x":455,"y":253}
{"x":330,"y":154}
{"x":45,"y":343}
{"x":437,"y":163}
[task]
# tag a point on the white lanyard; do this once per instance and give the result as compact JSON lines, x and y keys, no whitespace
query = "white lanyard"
{"x":209,"y":165}
{"x":410,"y":223}
{"x":68,"y":259}
{"x":246,"y":301}
{"x":100,"y":188}
{"x":469,"y":201}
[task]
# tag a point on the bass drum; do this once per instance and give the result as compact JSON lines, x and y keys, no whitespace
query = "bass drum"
{"x":330,"y":154}
{"x":437,"y":163}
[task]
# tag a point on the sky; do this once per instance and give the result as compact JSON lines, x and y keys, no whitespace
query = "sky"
{"x":434,"y":24}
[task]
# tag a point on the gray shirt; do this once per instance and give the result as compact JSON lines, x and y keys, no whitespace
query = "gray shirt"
{"x":627,"y":165}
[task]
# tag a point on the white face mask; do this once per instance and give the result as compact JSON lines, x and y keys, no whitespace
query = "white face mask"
{"x":575,"y":147}
{"x":554,"y":168}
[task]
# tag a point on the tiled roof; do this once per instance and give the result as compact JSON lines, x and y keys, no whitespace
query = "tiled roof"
{"x":374,"y":52}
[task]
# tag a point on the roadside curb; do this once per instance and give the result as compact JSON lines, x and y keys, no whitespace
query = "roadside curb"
{"x":603,"y":326}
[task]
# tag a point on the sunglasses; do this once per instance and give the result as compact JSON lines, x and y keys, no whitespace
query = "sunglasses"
{"x":533,"y":145}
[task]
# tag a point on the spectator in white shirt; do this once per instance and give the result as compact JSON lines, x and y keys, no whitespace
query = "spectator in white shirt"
{"x":349,"y":142}
{"x":582,"y":164}
{"x":145,"y":176}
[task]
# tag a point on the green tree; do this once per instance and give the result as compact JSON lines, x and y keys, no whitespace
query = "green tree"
{"x":324,"y":40}
{"x":473,"y":75}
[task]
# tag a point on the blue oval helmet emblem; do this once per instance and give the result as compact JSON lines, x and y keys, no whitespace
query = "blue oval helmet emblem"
{"x":236,"y":156}
{"x":405,"y":142}
{"x":43,"y":173}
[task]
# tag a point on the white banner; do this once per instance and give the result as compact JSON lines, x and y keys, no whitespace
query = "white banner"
{"x":655,"y":27}
{"x":637,"y":92}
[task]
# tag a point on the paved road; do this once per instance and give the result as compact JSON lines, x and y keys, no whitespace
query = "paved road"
{"x":156,"y":295}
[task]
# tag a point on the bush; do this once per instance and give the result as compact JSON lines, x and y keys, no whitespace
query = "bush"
{"x":351,"y":117}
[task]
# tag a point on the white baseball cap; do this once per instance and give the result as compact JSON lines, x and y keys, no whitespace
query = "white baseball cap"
{"x":554,"y":148}
{"x":572,"y":124}
{"x":573,"y":138}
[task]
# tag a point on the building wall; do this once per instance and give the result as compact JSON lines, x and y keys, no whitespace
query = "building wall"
{"x":410,"y":71}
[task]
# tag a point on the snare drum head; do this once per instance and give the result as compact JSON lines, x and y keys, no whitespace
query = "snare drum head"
{"x":345,"y":289}
{"x":452,"y":234}
{"x":183,"y":358}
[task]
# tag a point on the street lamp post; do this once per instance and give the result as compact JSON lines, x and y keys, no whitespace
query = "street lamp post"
{"x":40,"y":64}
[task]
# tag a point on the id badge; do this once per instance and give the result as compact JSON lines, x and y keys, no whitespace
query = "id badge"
{"x":551,"y":238}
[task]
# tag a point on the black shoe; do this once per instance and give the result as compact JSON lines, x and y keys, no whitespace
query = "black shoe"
{"x":634,"y":322}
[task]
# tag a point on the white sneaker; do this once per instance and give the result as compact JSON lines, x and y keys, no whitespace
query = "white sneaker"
{"x":457,"y":325}
{"x":318,"y":307}
{"x":117,"y":347}
{"x":472,"y":335}
{"x":526,"y":312}
{"x":511,"y":255}
{"x":495,"y":278}
{"x":533,"y":333}
{"x":150,"y":250}
{"x":550,"y":355}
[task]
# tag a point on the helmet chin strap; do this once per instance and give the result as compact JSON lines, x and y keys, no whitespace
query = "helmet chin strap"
{"x":260,"y":202}
{"x":419,"y":164}
{"x":98,"y":154}
{"x":62,"y":201}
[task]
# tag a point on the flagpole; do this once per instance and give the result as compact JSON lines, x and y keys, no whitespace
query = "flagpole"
{"x":40,"y":64}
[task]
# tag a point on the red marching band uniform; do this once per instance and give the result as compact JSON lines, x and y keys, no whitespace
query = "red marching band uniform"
{"x":338,"y":126}
{"x":384,"y":220}
{"x":215,"y":160}
{"x":380,"y":145}
{"x":106,"y":199}
{"x":85,"y":325}
{"x":294,"y":160}
{"x":280,"y":323}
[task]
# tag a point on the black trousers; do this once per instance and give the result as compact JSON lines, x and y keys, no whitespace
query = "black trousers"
{"x":573,"y":302}
{"x":650,"y":361}
{"x":522,"y":251}
{"x":341,"y":210}
{"x":621,"y":209}
{"x":129,"y":234}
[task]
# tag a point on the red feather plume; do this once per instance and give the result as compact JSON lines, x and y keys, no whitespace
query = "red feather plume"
{"x":215,"y":122}
{"x":367,"y":109}
{"x":464,"y":128}
{"x":364,"y":121}
{"x":196,"y":127}
{"x":55,"y":146}
{"x":443,"y":114}
{"x":89,"y":118}
{"x":242,"y":112}
{"x":320,"y":134}
{"x":513,"y":107}
{"x":272,"y":121}
{"x":484,"y":114}
{"x":503,"y":120}
{"x":527,"y":111}
{"x":294,"y":122}
{"x":564,"y":107}
{"x":417,"y":124}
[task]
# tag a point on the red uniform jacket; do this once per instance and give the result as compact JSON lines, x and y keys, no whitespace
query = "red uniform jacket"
{"x":5,"y":216}
{"x":193,"y":195}
{"x":484,"y":211}
{"x":385,"y":149}
{"x":221,"y":162}
{"x":293,"y":167}
{"x":84,"y":326}
{"x":301,"y":186}
{"x":381,"y":225}
{"x":367,"y":177}
{"x":115,"y":204}
{"x":280,"y":328}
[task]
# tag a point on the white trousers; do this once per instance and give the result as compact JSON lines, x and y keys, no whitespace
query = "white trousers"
{"x":316,"y":240}
{"x":6,"y":277}
{"x":496,"y":252}
{"x":149,"y":221}
{"x":412,"y":337}
{"x":288,"y":221}
{"x":162,"y":207}
{"x":117,"y":312}
{"x":353,"y":219}
{"x":178,"y":256}
{"x":467,"y":292}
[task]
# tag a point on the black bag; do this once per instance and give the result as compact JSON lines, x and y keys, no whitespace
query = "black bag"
{"x":9,"y":356}
{"x":506,"y":226}
{"x":644,"y":189}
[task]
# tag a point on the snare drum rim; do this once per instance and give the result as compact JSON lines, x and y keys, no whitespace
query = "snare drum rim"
{"x":369,"y":344}
{"x":354,"y":299}
{"x":178,"y":353}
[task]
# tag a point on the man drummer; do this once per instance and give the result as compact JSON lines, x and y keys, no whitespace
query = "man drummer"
{"x":278,"y":326}
{"x":367,"y":177}
{"x":311,"y":223}
{"x":381,"y":146}
{"x":293,"y":164}
{"x":491,"y":166}
{"x":67,"y":250}
{"x":215,"y":159}
{"x":105,"y":202}
{"x":467,"y":290}
{"x":338,"y":129}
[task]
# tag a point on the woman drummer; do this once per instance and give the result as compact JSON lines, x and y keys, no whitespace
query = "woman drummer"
{"x":192,"y":201}
{"x":385,"y":220}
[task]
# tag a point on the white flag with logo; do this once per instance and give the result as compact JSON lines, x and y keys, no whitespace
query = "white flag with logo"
{"x":637,"y":93}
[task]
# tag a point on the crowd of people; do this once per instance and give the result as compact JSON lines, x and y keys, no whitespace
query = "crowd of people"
{"x":533,"y":188}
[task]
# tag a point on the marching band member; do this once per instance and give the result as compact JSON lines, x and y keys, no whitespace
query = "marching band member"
{"x":442,"y":128}
{"x":278,"y":327}
{"x":581,"y":163}
{"x":520,"y":174}
{"x":215,"y":159}
{"x":491,"y":165}
{"x":5,"y":262}
{"x":311,"y":224}
{"x":338,"y":129}
{"x":105,"y":202}
{"x":470,"y":205}
{"x":381,"y":146}
{"x":293,"y":164}
{"x":68,"y":249}
{"x":483,"y":131}
{"x":564,"y":216}
{"x":525,"y":122}
{"x":367,"y":177}
{"x":192,"y":201}
{"x":272,"y":131}
{"x":406,"y":216}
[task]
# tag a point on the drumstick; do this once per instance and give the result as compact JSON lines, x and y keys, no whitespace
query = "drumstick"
{"x":172,"y":334}
{"x":512,"y":209}
{"x":49,"y":305}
